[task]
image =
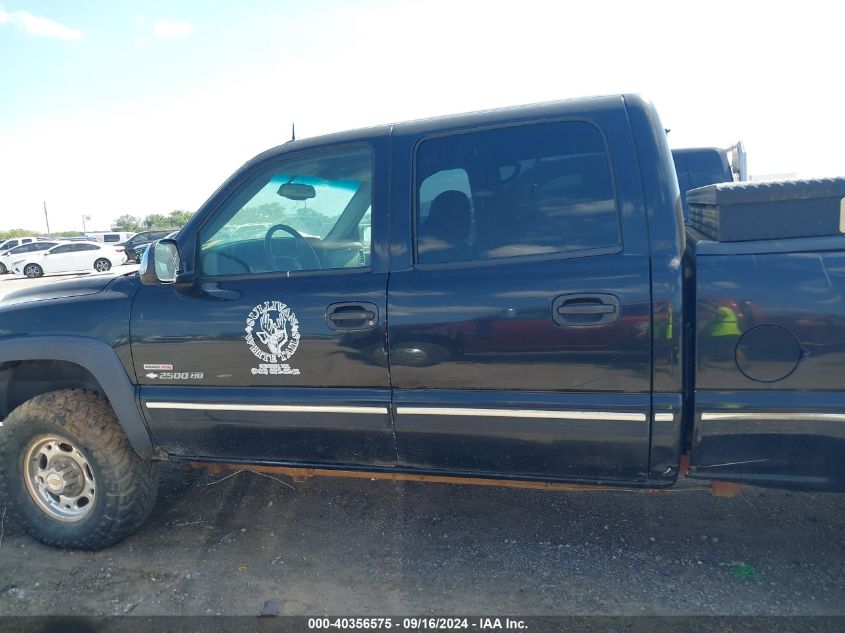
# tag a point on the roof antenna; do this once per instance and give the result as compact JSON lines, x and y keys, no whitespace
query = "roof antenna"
{"x":293,"y":131}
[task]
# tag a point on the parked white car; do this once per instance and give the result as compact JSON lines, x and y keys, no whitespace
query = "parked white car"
{"x":69,"y":257}
{"x":19,"y":252}
{"x":7,"y":245}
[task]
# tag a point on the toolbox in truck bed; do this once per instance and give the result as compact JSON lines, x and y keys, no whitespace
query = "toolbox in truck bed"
{"x":740,"y":211}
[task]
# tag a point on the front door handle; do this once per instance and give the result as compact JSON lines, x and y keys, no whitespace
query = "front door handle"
{"x":352,"y":316}
{"x":583,"y":310}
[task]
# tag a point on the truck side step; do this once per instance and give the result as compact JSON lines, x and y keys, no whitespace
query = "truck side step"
{"x":300,"y":475}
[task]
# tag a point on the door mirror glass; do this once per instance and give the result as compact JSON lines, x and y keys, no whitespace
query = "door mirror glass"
{"x":160,"y":263}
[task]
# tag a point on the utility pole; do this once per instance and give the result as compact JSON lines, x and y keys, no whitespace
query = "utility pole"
{"x":46,"y":219}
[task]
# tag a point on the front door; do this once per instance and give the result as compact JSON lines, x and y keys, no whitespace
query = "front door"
{"x":520,"y":336}
{"x":277,"y":353}
{"x":68,"y":257}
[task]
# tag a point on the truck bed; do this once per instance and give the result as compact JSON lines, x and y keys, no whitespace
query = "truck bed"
{"x":767,"y":324}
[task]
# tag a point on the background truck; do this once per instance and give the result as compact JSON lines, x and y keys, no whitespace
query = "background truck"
{"x":137,"y":243}
{"x":505,"y":295}
{"x":702,"y":166}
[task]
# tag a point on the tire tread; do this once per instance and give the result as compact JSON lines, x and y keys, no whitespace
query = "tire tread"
{"x":131,"y":484}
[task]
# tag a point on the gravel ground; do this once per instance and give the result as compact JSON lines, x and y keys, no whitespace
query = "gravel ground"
{"x":335,"y":546}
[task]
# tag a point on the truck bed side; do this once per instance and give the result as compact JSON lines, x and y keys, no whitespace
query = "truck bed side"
{"x":769,"y":329}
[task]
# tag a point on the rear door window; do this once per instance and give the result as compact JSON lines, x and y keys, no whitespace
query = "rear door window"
{"x":534,"y":189}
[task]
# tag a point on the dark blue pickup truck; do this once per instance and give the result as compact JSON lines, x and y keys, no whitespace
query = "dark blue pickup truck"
{"x":698,"y":167}
{"x":506,"y":295}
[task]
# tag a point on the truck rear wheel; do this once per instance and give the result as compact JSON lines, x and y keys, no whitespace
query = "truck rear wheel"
{"x":70,"y":474}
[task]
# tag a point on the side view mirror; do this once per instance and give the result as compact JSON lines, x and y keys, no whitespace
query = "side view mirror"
{"x":160,"y":263}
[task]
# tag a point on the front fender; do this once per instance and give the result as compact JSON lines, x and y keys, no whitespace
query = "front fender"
{"x":102,"y":362}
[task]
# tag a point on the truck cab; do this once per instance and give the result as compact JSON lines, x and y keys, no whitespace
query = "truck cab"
{"x":497,"y":318}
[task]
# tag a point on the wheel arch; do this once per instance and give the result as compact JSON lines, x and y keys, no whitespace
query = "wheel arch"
{"x":33,"y":365}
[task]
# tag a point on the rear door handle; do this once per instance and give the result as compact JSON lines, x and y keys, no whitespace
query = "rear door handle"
{"x":352,"y":316}
{"x":597,"y":308}
{"x":584,"y":310}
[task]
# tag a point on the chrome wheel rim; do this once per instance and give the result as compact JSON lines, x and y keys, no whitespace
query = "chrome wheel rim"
{"x":102,"y":265}
{"x":59,"y":478}
{"x":31,"y":271}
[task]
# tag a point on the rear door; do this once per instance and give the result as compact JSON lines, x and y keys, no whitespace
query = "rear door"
{"x":520,"y":334}
{"x":277,"y":353}
{"x":86,"y":254}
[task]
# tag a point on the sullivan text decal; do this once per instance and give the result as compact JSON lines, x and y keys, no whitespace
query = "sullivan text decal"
{"x":272,"y":334}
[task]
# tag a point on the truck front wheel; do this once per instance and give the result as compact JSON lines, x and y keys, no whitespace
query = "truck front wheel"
{"x":70,"y":474}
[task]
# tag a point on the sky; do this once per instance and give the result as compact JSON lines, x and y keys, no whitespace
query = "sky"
{"x":109,"y":108}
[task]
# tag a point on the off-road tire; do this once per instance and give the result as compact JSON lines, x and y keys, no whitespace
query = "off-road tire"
{"x":126,"y":484}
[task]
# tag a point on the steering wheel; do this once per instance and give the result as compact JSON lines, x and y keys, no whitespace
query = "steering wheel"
{"x":295,"y":261}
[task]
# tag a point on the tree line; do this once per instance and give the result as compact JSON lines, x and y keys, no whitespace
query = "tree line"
{"x":126,"y":222}
{"x":134,"y":223}
{"x":5,"y":235}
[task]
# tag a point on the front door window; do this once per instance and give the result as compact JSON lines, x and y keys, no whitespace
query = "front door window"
{"x":304,"y":214}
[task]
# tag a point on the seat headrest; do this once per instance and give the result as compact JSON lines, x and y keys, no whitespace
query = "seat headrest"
{"x":449,"y":216}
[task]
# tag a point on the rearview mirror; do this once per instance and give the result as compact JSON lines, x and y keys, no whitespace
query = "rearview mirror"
{"x":160,"y":263}
{"x":297,"y":191}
